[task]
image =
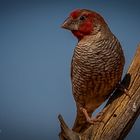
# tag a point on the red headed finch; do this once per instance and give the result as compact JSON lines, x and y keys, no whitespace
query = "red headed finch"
{"x":97,"y":64}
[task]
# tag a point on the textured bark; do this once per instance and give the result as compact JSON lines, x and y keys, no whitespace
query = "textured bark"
{"x":120,"y":112}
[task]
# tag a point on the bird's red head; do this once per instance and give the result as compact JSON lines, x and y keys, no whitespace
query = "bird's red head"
{"x":82,"y":22}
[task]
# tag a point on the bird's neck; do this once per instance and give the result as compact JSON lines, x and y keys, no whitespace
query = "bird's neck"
{"x":89,"y":39}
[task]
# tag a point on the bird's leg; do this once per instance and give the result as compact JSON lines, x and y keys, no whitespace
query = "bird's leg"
{"x":91,"y":120}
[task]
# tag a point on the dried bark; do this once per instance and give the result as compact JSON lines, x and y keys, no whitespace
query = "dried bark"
{"x":120,"y":112}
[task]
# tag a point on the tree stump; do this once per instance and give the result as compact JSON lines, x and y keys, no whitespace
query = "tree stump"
{"x":120,"y":112}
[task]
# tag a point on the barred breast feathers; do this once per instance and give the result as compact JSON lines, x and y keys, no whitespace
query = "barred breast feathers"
{"x":99,"y":52}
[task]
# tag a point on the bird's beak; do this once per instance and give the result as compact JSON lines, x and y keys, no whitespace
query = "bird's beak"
{"x":66,"y":23}
{"x":69,"y":24}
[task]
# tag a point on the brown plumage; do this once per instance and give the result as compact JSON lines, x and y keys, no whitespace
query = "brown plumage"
{"x":97,"y":63}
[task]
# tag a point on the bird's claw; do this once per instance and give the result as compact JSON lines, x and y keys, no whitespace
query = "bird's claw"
{"x":122,"y":88}
{"x":91,"y":120}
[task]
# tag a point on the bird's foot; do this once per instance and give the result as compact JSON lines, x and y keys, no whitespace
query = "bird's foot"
{"x":122,"y":88}
{"x":92,"y":120}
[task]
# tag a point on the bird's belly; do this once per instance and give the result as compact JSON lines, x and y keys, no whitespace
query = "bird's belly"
{"x":93,"y":83}
{"x":95,"y":74}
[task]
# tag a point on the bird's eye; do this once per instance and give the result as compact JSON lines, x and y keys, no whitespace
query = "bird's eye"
{"x":82,"y":18}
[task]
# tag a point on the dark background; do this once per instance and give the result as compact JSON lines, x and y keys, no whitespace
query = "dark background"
{"x":35,"y":57}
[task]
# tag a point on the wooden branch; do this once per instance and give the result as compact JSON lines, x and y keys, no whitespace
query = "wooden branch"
{"x":120,"y":113}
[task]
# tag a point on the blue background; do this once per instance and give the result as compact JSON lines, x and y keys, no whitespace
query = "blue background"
{"x":35,"y":57}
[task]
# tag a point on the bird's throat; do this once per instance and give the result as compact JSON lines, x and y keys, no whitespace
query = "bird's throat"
{"x":84,"y":29}
{"x":78,"y":34}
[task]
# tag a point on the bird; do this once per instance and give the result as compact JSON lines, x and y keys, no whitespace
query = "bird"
{"x":97,"y":64}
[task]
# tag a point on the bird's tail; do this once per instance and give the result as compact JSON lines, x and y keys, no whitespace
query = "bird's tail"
{"x":81,"y":124}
